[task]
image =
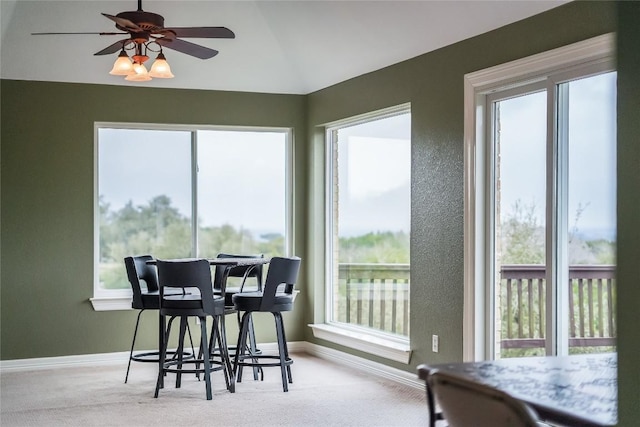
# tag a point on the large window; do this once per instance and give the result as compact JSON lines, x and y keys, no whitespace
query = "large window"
{"x":177,"y":192}
{"x":541,"y":230}
{"x":368,"y":228}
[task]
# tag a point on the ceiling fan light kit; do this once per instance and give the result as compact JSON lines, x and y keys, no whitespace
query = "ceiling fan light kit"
{"x":123,"y":65}
{"x":146,"y":31}
{"x":160,"y":68}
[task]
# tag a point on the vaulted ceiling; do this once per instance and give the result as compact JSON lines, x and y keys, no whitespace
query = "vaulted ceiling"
{"x":280,"y":47}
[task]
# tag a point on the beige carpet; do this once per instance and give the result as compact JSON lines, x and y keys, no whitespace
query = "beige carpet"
{"x":322,"y":394}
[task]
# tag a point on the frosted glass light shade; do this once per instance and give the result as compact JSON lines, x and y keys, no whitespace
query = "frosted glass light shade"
{"x":161,"y":69}
{"x":122,"y":66}
{"x":140,"y":74}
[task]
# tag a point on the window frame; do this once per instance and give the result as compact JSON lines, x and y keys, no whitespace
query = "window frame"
{"x":120,"y":299}
{"x":548,"y":69}
{"x":362,"y":339}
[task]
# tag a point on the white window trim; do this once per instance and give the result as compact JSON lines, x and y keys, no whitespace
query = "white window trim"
{"x":379,"y":344}
{"x":121,"y":299}
{"x":111,"y":303}
{"x":597,"y":51}
{"x":386,"y":347}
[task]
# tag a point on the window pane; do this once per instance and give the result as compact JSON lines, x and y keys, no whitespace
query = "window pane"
{"x":592,"y":215}
{"x":242,"y":192}
{"x":370,"y":207}
{"x":520,"y":205}
{"x":144,"y":188}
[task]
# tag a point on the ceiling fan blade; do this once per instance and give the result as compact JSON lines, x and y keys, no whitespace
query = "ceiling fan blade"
{"x":123,"y":23}
{"x":112,"y":48}
{"x":187,"y":47}
{"x":202,"y":32}
{"x":55,"y":34}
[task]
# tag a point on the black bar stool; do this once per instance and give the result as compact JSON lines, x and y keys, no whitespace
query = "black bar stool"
{"x":194,"y":274}
{"x":145,"y":299}
{"x":276,"y":297}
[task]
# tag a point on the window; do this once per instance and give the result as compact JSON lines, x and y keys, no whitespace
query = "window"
{"x":177,"y":192}
{"x":368,"y":224}
{"x":540,"y":225}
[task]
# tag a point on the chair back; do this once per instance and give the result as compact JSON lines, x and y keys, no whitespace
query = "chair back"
{"x":281,"y":271}
{"x":243,"y":271}
{"x":467,"y":403}
{"x":192,"y":273}
{"x":137,"y":270}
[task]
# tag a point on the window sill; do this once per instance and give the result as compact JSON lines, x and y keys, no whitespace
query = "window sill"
{"x":111,"y":303}
{"x":383,"y":347}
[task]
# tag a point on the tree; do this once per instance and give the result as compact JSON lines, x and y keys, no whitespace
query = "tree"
{"x":522,"y":238}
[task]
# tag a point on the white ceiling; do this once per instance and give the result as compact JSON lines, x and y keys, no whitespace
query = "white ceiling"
{"x":280,"y":46}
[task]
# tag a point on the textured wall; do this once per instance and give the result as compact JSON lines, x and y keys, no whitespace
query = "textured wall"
{"x":628,"y":270}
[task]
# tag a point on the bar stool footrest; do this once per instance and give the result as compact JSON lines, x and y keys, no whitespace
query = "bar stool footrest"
{"x":257,"y":363}
{"x":154,"y":356}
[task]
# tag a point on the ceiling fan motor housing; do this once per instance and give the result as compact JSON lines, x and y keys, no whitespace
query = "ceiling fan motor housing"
{"x":148,"y":21}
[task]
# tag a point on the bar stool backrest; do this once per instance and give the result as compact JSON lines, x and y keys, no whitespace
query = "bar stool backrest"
{"x":184,"y":274}
{"x":243,"y":271}
{"x":281,"y":271}
{"x":138,"y":270}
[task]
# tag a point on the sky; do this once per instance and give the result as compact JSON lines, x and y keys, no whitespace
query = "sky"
{"x":241,"y":177}
{"x":591,"y":152}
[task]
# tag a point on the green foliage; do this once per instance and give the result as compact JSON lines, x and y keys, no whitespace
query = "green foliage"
{"x":603,"y":250}
{"x":380,"y":247}
{"x":522,"y":237}
{"x":523,"y":240}
{"x":159,"y":229}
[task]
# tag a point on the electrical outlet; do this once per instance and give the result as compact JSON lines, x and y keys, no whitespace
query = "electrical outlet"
{"x":434,"y":343}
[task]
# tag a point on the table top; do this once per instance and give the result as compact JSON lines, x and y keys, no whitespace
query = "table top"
{"x":573,"y":390}
{"x":231,"y":261}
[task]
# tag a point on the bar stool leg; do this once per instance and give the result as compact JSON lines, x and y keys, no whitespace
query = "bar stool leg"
{"x":240,"y":348}
{"x":133,"y":343}
{"x":163,"y":354}
{"x":281,"y":350}
{"x":180,"y":349}
{"x":286,"y":349}
{"x":253,"y":350}
{"x":206,"y":357}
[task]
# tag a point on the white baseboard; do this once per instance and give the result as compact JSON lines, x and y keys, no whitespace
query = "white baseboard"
{"x":339,"y":357}
{"x":365,"y":365}
{"x":63,"y":361}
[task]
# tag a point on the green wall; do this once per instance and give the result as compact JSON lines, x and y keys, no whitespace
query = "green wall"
{"x":628,"y":270}
{"x":433,"y":83}
{"x":47,"y":204}
{"x":47,"y":191}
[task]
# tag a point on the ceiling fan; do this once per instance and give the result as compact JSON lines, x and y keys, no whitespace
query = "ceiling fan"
{"x":146,"y":33}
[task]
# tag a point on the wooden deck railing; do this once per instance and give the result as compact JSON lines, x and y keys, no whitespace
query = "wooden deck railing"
{"x":377,"y":296}
{"x":374,"y":296}
{"x":592,"y":320}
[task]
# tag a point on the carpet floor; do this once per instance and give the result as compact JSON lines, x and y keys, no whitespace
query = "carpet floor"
{"x":322,"y":394}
